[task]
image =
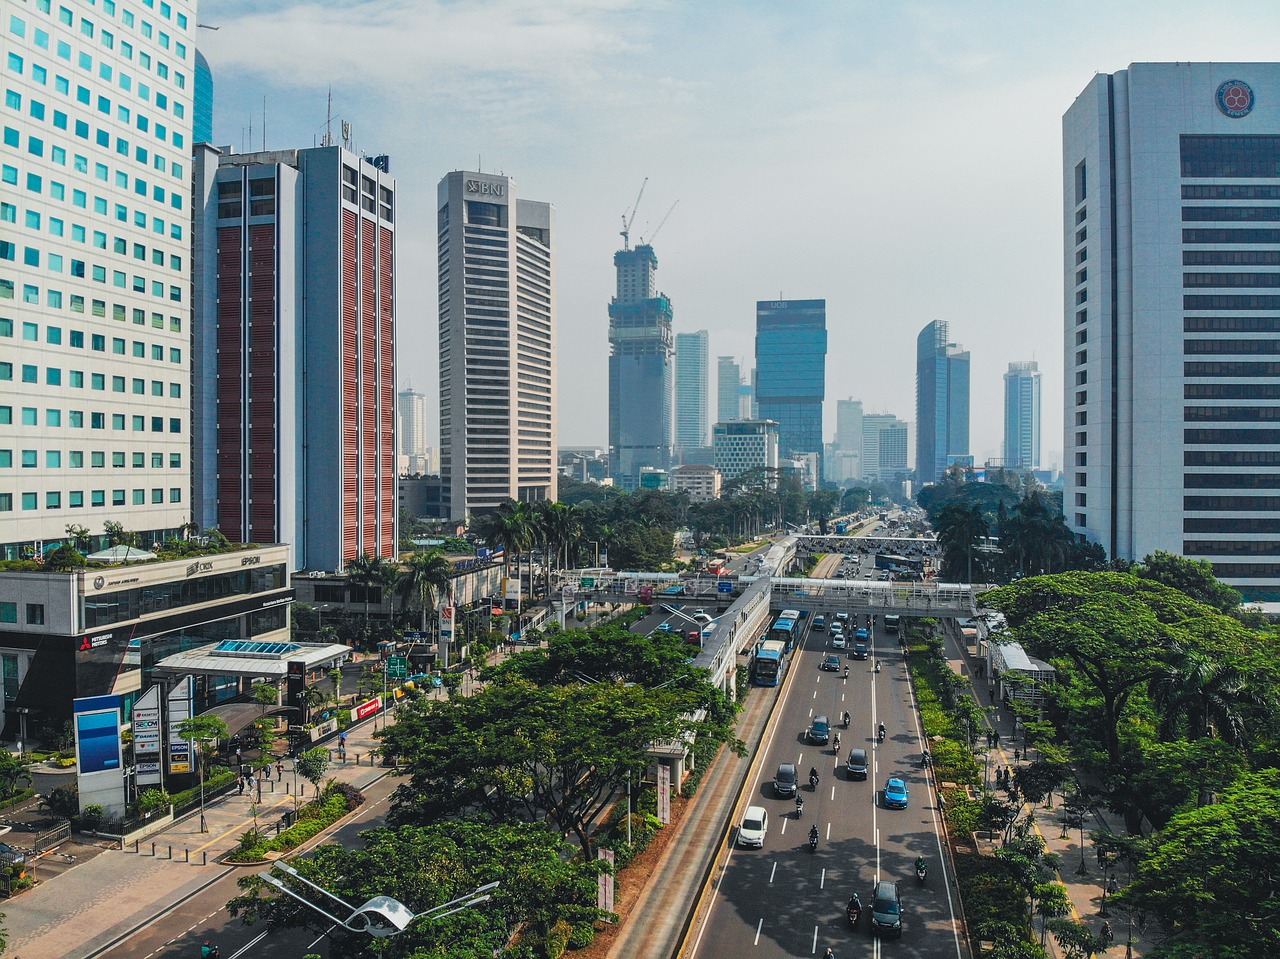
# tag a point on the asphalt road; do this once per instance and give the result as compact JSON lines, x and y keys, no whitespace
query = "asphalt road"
{"x":179,"y":933}
{"x":783,"y":900}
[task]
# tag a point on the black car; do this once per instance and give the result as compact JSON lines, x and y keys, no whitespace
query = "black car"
{"x":886,"y":909}
{"x":831,"y":664}
{"x":860,"y":651}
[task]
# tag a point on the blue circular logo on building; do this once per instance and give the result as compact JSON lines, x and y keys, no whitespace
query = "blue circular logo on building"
{"x":1235,"y":99}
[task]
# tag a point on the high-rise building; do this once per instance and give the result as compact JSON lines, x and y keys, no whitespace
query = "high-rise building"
{"x":641,"y":360}
{"x":884,"y":447}
{"x":791,"y":371}
{"x":95,"y":274}
{"x":1171,"y":191}
{"x":497,"y":344}
{"x":728,"y":390}
{"x":1022,"y":416}
{"x":202,"y":102}
{"x":849,"y":433}
{"x":942,"y":402}
{"x":294,"y":397}
{"x":692,"y":355}
{"x":744,"y":445}
{"x":412,"y":411}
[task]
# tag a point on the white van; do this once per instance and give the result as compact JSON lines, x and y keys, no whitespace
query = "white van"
{"x":755,"y":826}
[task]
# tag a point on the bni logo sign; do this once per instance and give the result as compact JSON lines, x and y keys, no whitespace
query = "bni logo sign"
{"x":484,"y":188}
{"x":1235,"y":99}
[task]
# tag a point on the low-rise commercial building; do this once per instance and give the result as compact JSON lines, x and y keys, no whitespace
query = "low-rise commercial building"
{"x":702,"y":483}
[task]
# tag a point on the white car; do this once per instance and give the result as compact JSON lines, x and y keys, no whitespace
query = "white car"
{"x":837,"y":641}
{"x":755,"y":826}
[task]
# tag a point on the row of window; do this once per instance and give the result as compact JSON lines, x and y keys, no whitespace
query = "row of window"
{"x":90,"y":29}
{"x":9,"y":613}
{"x":1231,"y":391}
{"x":1231,"y":458}
{"x":97,"y":342}
{"x":1231,"y":257}
{"x":1231,"y":279}
{"x":1262,"y":214}
{"x":40,"y":74}
{"x":56,"y":263}
{"x":75,"y":499}
{"x":1247,"y":347}
{"x":1231,"y":414}
{"x":76,"y":418}
{"x":126,"y":17}
{"x":1227,"y":301}
{"x":1231,"y":504}
{"x":1234,"y":370}
{"x":75,"y":303}
{"x":97,"y":459}
{"x":96,"y":380}
{"x":1229,"y":192}
{"x":35,"y":220}
{"x":1208,"y":235}
{"x":80,"y":200}
{"x":1231,"y":324}
{"x":1226,"y":524}
{"x":1227,"y":547}
{"x":39,"y":110}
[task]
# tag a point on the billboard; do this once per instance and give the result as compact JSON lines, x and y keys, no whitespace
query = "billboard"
{"x":146,"y":737}
{"x":179,"y":707}
{"x":367,"y":709}
{"x":99,"y":753}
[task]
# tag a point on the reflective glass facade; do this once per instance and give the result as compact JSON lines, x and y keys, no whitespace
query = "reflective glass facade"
{"x":791,"y":371}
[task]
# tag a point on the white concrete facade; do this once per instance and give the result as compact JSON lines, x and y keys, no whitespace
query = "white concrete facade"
{"x":1171,"y":189}
{"x":95,"y":271}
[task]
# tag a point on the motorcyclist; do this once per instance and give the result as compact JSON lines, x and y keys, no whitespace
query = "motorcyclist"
{"x":813,"y":835}
{"x":846,"y":719}
{"x":799,"y":806}
{"x":846,"y":671}
{"x":837,"y":742}
{"x":922,"y":865}
{"x":877,"y":665}
{"x":209,"y":950}
{"x":880,"y":732}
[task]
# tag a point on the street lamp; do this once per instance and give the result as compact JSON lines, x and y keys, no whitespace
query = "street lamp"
{"x":380,"y":916}
{"x":191,"y":744}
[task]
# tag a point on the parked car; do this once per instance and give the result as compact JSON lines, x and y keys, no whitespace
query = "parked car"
{"x":784,"y":780}
{"x":755,"y":826}
{"x":886,"y":909}
{"x":820,"y":730}
{"x":895,"y":794}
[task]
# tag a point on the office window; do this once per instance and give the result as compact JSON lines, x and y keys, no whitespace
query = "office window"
{"x":52,"y":500}
{"x":139,"y":497}
{"x":8,"y":611}
{"x":98,"y":497}
{"x":117,"y":497}
{"x":175,"y":494}
{"x":75,"y":499}
{"x":117,"y":460}
{"x":29,"y":501}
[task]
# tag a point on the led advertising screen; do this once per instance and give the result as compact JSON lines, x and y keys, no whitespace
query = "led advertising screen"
{"x":99,"y":740}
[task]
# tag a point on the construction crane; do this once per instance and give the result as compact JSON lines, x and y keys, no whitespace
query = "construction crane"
{"x":626,"y":220}
{"x":661,"y":223}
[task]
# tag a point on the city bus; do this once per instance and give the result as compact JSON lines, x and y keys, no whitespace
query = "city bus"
{"x":785,"y":628}
{"x":766,"y":666}
{"x":899,"y":564}
{"x":717,"y":567}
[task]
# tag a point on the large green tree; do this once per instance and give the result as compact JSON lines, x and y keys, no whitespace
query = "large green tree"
{"x":423,"y":866}
{"x":518,"y":752}
{"x":1213,"y":875}
{"x":424,"y":580}
{"x":1194,"y":577}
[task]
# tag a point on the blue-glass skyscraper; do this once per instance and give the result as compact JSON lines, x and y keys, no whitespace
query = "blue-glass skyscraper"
{"x":202,"y":104}
{"x":641,"y":361}
{"x":942,"y":402}
{"x":791,"y":371}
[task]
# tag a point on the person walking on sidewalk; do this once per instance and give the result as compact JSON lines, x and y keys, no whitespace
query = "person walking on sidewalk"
{"x":279,"y":770}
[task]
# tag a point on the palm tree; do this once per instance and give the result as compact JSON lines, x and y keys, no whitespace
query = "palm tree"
{"x":509,"y":526}
{"x":425,"y":578}
{"x":1202,"y":696}
{"x":367,"y":571}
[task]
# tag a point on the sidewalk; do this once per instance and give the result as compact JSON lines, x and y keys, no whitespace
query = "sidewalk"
{"x":77,"y":912}
{"x":1082,"y":874}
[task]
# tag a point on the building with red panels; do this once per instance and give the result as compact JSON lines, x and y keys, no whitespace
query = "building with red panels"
{"x":294,"y":395}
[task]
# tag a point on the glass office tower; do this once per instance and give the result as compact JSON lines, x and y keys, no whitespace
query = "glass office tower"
{"x":791,"y":371}
{"x":942,"y":402}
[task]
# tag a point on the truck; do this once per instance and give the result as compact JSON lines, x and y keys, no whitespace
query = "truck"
{"x":842,"y":528}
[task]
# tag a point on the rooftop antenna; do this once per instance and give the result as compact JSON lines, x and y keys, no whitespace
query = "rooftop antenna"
{"x":264,"y":124}
{"x":327,"y":139}
{"x":346,"y":133}
{"x":626,"y":219}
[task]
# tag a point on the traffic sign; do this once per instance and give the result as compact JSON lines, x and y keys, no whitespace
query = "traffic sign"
{"x":588,"y":582}
{"x":724,"y":586}
{"x":397,"y":667}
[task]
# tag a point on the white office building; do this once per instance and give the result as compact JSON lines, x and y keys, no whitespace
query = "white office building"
{"x":744,"y":445}
{"x":1171,"y":202}
{"x":497,"y":344}
{"x":692,"y":355}
{"x":95,"y":271}
{"x":1022,"y":416}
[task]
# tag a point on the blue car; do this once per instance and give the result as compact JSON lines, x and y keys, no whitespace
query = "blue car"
{"x":895,"y":794}
{"x":665,"y":627}
{"x":861,"y":634}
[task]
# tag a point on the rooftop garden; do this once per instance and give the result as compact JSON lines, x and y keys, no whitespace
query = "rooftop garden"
{"x":71,"y":555}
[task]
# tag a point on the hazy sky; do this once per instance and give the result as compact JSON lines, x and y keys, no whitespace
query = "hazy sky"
{"x":902,"y":160}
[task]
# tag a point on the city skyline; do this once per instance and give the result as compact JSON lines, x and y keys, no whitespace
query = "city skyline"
{"x":578,"y":136}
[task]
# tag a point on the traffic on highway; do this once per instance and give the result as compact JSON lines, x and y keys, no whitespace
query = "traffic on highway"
{"x":838,"y":805}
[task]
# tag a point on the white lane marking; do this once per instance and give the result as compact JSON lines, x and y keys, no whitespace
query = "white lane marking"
{"x":318,"y":940}
{"x":252,"y":942}
{"x":822,"y":883}
{"x":814,"y":950}
{"x":784,"y":832}
{"x":828,"y":830}
{"x":759,"y":925}
{"x":772,"y":872}
{"x":833,"y":788}
{"x":815,"y":696}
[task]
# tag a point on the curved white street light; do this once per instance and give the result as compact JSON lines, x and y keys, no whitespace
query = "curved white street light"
{"x":381,"y":916}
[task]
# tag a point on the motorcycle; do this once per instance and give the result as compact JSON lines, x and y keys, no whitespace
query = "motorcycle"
{"x":210,"y":951}
{"x":926,"y":760}
{"x":799,"y":806}
{"x":813,"y":839}
{"x":813,"y":780}
{"x":846,"y":720}
{"x":836,"y":743}
{"x":854,"y":910}
{"x":880,"y":733}
{"x":922,"y":870}
{"x":877,"y":665}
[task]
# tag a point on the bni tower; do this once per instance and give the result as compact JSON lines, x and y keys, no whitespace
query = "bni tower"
{"x":791,"y":371}
{"x":1171,"y":203}
{"x":641,"y":354}
{"x":497,"y":344}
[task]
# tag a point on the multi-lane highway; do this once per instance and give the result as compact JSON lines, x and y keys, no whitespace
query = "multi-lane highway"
{"x":782,"y":900}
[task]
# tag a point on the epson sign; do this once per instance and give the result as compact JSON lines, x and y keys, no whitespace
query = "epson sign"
{"x":486,"y":189}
